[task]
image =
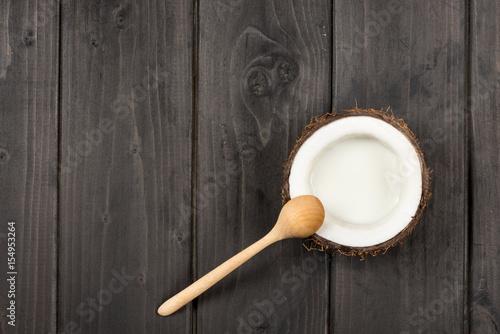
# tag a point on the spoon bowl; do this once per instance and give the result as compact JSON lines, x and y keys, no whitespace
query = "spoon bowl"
{"x":301,"y":217}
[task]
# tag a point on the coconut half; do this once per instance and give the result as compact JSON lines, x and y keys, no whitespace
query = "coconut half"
{"x":368,"y":171}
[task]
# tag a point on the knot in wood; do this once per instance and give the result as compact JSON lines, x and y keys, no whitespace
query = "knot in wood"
{"x":134,"y":148}
{"x":121,"y":20}
{"x":258,"y":81}
{"x":4,"y":156}
{"x":287,"y":70}
{"x":28,"y":37}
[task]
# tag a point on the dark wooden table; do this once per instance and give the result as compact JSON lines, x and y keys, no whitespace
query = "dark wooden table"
{"x":142,"y":143}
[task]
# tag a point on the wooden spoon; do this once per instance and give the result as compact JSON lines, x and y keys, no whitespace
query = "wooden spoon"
{"x":299,"y":218}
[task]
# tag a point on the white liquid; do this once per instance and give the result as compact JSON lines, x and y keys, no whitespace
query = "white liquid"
{"x":357,"y":180}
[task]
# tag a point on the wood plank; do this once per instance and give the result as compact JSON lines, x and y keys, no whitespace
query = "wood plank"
{"x":410,"y":56}
{"x":29,"y":49}
{"x":126,"y":165}
{"x":264,"y":70}
{"x":484,"y":288}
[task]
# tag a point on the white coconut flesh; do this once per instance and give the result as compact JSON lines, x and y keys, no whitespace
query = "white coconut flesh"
{"x":366,"y":173}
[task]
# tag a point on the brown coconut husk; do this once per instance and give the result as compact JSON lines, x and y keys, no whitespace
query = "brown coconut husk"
{"x":318,"y":243}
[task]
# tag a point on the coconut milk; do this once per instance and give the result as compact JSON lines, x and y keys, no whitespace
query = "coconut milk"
{"x":357,"y":180}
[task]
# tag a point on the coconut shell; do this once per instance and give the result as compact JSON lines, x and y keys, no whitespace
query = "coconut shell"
{"x":322,"y":244}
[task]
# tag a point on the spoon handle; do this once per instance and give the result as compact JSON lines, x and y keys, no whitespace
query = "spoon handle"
{"x":204,"y":283}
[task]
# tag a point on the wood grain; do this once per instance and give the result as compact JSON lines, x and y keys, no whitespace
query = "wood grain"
{"x":29,"y":49}
{"x":410,"y":56}
{"x":158,"y":101}
{"x":264,"y":70}
{"x":126,"y":165}
{"x":484,"y":288}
